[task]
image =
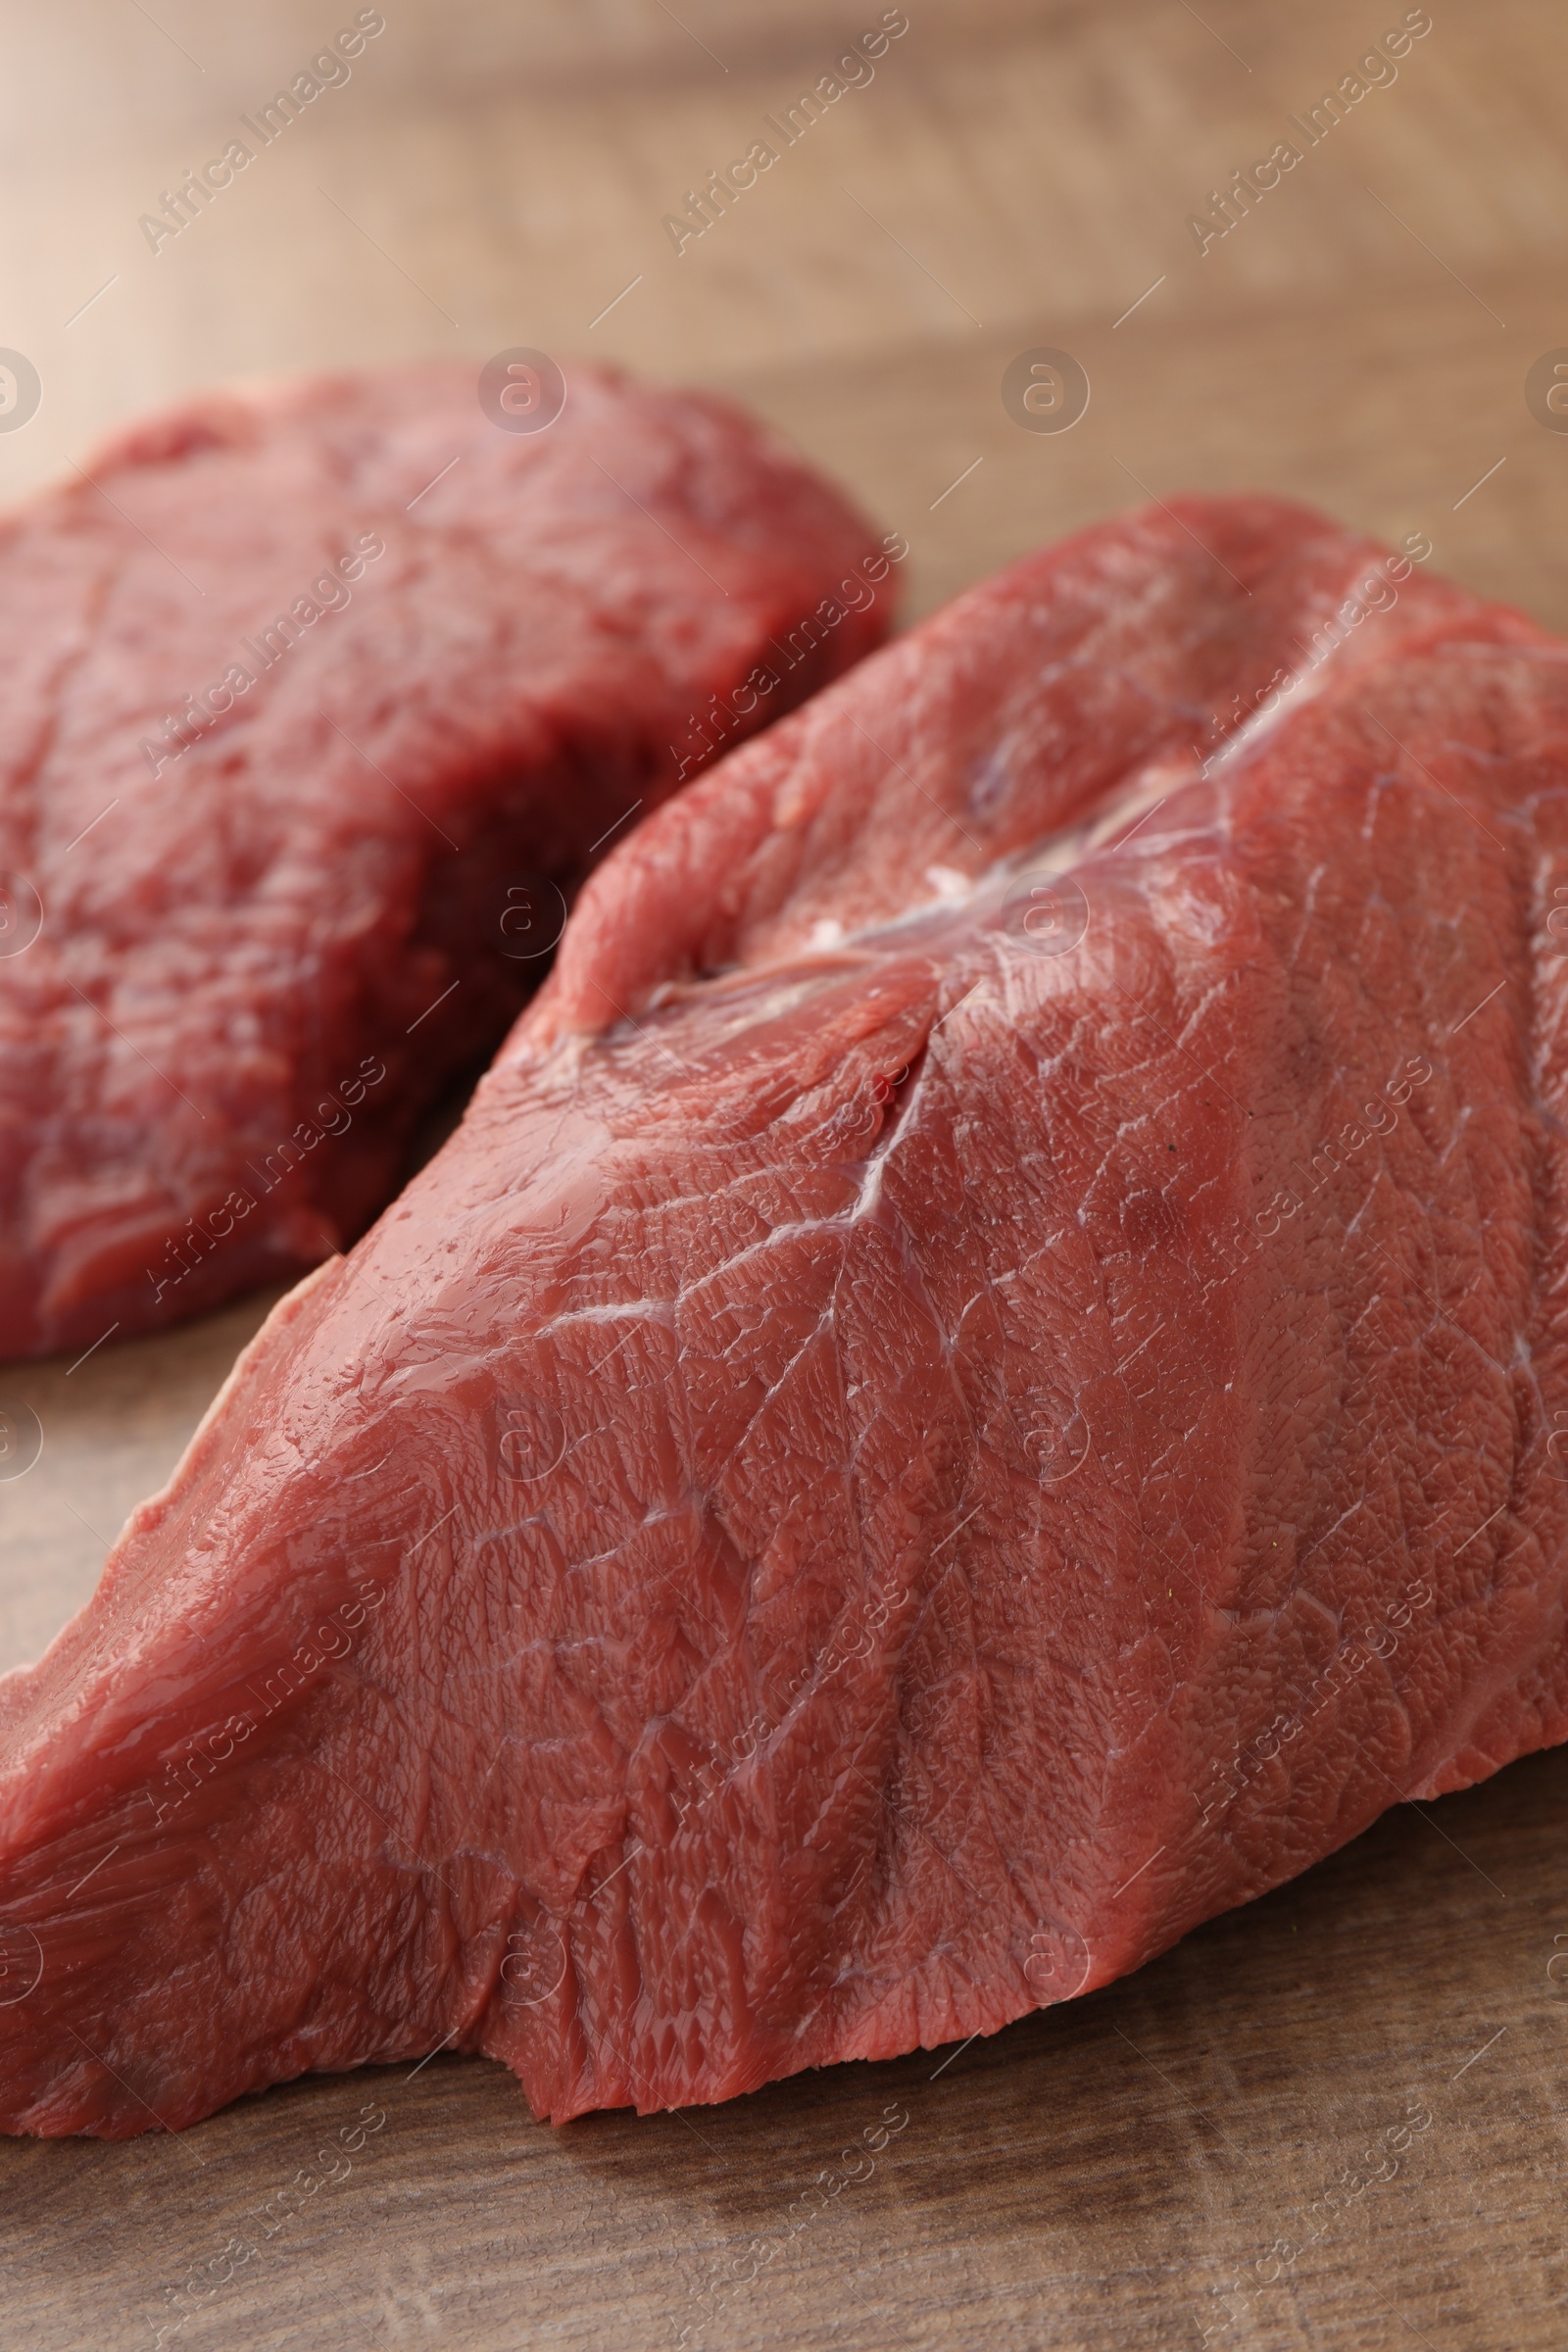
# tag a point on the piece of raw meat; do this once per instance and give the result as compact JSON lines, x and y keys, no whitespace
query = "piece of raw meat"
{"x":318,"y":698}
{"x":932,"y":1428}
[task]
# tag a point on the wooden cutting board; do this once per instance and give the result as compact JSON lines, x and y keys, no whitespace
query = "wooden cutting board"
{"x":1334,"y":2119}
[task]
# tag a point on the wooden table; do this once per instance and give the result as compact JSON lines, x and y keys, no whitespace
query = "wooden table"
{"x":1134,"y":2170}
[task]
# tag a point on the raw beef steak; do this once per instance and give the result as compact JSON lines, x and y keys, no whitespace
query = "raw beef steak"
{"x":942,"y":1419}
{"x":318,"y":698}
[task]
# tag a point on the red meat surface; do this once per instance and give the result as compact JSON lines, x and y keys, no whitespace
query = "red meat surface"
{"x":932,"y":1428}
{"x":317,"y":700}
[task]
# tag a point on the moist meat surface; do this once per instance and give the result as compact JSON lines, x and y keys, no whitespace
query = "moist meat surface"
{"x":977,"y":1385}
{"x":316,"y":700}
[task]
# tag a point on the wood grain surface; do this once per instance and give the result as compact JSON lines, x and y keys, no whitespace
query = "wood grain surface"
{"x":1335,"y":2118}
